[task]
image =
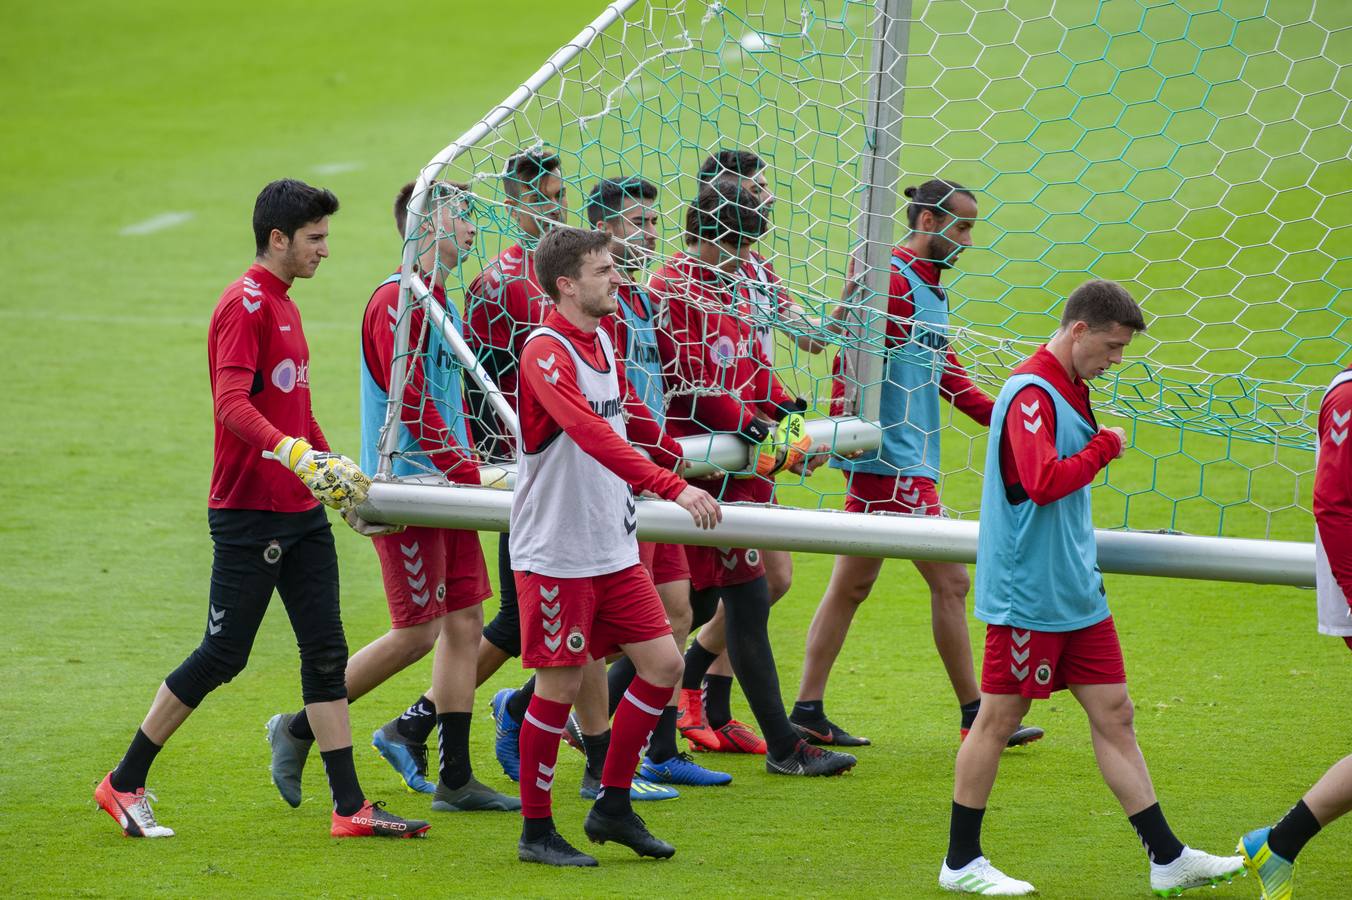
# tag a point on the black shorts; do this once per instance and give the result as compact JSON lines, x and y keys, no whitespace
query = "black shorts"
{"x":504,"y":632}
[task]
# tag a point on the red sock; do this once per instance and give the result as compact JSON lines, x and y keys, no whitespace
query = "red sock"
{"x":541,"y":731}
{"x":635,"y":719}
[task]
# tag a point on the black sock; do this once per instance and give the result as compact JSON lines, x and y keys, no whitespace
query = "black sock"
{"x":808,"y":711}
{"x":347,"y":795}
{"x":613,"y":802}
{"x":535,"y":829}
{"x":595,"y":746}
{"x":130,"y":774}
{"x":621,"y":672}
{"x":662,"y":745}
{"x":718,"y":699}
{"x":697,"y":662}
{"x":1292,"y":833}
{"x":1159,"y":841}
{"x":969,"y":711}
{"x":415,"y":725}
{"x":453,"y":728}
{"x":964,"y":835}
{"x":747,"y":607}
{"x":517,"y":703}
{"x":300,"y":727}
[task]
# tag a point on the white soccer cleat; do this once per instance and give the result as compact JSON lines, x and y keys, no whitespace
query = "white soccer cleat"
{"x":1193,"y":869}
{"x":980,"y":877}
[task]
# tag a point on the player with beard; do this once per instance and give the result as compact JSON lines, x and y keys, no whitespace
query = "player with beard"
{"x":901,"y":475}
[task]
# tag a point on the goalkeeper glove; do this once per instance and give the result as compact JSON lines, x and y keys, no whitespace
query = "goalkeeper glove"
{"x":335,"y":480}
{"x":783,"y":447}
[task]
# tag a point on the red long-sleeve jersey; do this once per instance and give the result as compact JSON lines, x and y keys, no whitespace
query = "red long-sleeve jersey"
{"x":549,"y":407}
{"x":716,"y":379}
{"x":1028,"y":455}
{"x":503,"y":304}
{"x":1333,"y":484}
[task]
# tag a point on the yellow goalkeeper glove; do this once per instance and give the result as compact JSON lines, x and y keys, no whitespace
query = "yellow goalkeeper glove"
{"x":784,"y":447}
{"x":335,"y":480}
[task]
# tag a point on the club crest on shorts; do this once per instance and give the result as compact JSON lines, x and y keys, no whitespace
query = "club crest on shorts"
{"x":752,"y":557}
{"x":1043,"y":673}
{"x":576,"y":641}
{"x":441,"y":592}
{"x":272,"y":553}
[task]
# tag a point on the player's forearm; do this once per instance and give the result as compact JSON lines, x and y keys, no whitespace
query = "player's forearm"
{"x":964,"y":393}
{"x":720,"y":413}
{"x":233,"y":410}
{"x":1047,"y":478}
{"x":599,"y":441}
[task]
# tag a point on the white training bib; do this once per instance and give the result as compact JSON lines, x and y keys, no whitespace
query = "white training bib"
{"x":571,"y":516}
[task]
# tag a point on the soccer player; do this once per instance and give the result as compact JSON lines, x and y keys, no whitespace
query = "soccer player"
{"x":435,"y":578}
{"x":626,"y":209}
{"x":717,"y":383}
{"x":581,"y":589}
{"x":901,"y":476}
{"x":1039,"y":590}
{"x":267,"y":525}
{"x":1270,"y":852}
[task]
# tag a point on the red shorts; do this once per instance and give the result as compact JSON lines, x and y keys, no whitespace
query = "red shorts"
{"x":429,"y":572}
{"x":665,"y":562}
{"x":866,"y":493}
{"x":724,"y":566}
{"x":1035,"y":663}
{"x":568,"y":621}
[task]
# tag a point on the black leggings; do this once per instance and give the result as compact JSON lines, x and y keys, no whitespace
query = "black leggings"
{"x":256,"y":552}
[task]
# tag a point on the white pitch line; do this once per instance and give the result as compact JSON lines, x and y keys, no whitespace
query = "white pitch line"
{"x":337,"y":168}
{"x":157,"y":223}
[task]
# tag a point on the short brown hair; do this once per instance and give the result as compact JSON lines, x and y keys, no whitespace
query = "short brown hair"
{"x":405,"y":195}
{"x":560,"y":253}
{"x":1102,"y":304}
{"x":725,"y":212}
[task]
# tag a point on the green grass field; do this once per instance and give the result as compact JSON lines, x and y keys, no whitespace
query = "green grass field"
{"x":122,"y":118}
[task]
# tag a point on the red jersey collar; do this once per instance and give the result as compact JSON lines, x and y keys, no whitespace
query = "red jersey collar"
{"x":558,"y":322}
{"x":269,"y":282}
{"x":927,"y":270}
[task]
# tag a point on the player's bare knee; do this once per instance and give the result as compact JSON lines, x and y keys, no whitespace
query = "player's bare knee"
{"x":665,"y":670}
{"x":463,"y":628}
{"x":416,"y":641}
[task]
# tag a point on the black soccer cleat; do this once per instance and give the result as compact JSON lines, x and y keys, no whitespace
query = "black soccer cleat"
{"x":628,"y":830}
{"x":1024,"y":735}
{"x":552,"y":850}
{"x":809,"y":760}
{"x":824,"y":732}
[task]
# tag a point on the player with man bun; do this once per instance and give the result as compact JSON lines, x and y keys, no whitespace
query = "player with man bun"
{"x":1039,"y":589}
{"x":267,"y":523}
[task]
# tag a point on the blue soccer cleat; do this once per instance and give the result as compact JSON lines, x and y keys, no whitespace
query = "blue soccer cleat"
{"x":405,"y":757}
{"x":507,"y":735}
{"x":1273,"y":871}
{"x":682,"y":769}
{"x":640,"y":789}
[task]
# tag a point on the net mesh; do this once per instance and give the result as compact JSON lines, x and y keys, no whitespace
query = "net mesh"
{"x":1196,"y":152}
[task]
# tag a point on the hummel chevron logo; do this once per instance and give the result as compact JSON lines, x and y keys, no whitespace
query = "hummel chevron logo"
{"x":547,"y":363}
{"x":1339,"y":433}
{"x":215,"y":619}
{"x":410,"y":550}
{"x":549,"y":594}
{"x":1020,"y":655}
{"x":547,"y":771}
{"x":553,"y":644}
{"x":1030,"y":408}
{"x":413,"y":567}
{"x":553,"y":627}
{"x":552,"y":378}
{"x":729,"y":562}
{"x":1019,"y":637}
{"x":251,"y":307}
{"x":1338,"y":436}
{"x":629,"y":526}
{"x":252,"y":292}
{"x":1020,"y":672}
{"x":629,"y":506}
{"x":1034,"y":426}
{"x":1340,"y":419}
{"x":417,"y":583}
{"x":551,"y":611}
{"x":420,"y":599}
{"x":912,"y":498}
{"x":905,"y":483}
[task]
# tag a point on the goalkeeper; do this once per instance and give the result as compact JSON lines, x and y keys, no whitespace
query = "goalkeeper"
{"x":266,"y":521}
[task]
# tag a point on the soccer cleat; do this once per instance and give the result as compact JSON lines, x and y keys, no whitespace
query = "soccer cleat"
{"x":809,"y":760}
{"x":628,"y":830}
{"x":288,"y":757}
{"x":1022,"y":736}
{"x":737,"y":737}
{"x":980,"y":877}
{"x":372,"y":821}
{"x":130,"y":810}
{"x":691,"y":724}
{"x":473,"y":796}
{"x":406,"y":757}
{"x":507,"y":735}
{"x":824,"y":732}
{"x":639,"y":789}
{"x":681,"y":769}
{"x":1193,"y":869}
{"x":572,"y":734}
{"x":1275,"y":873}
{"x":552,"y":850}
